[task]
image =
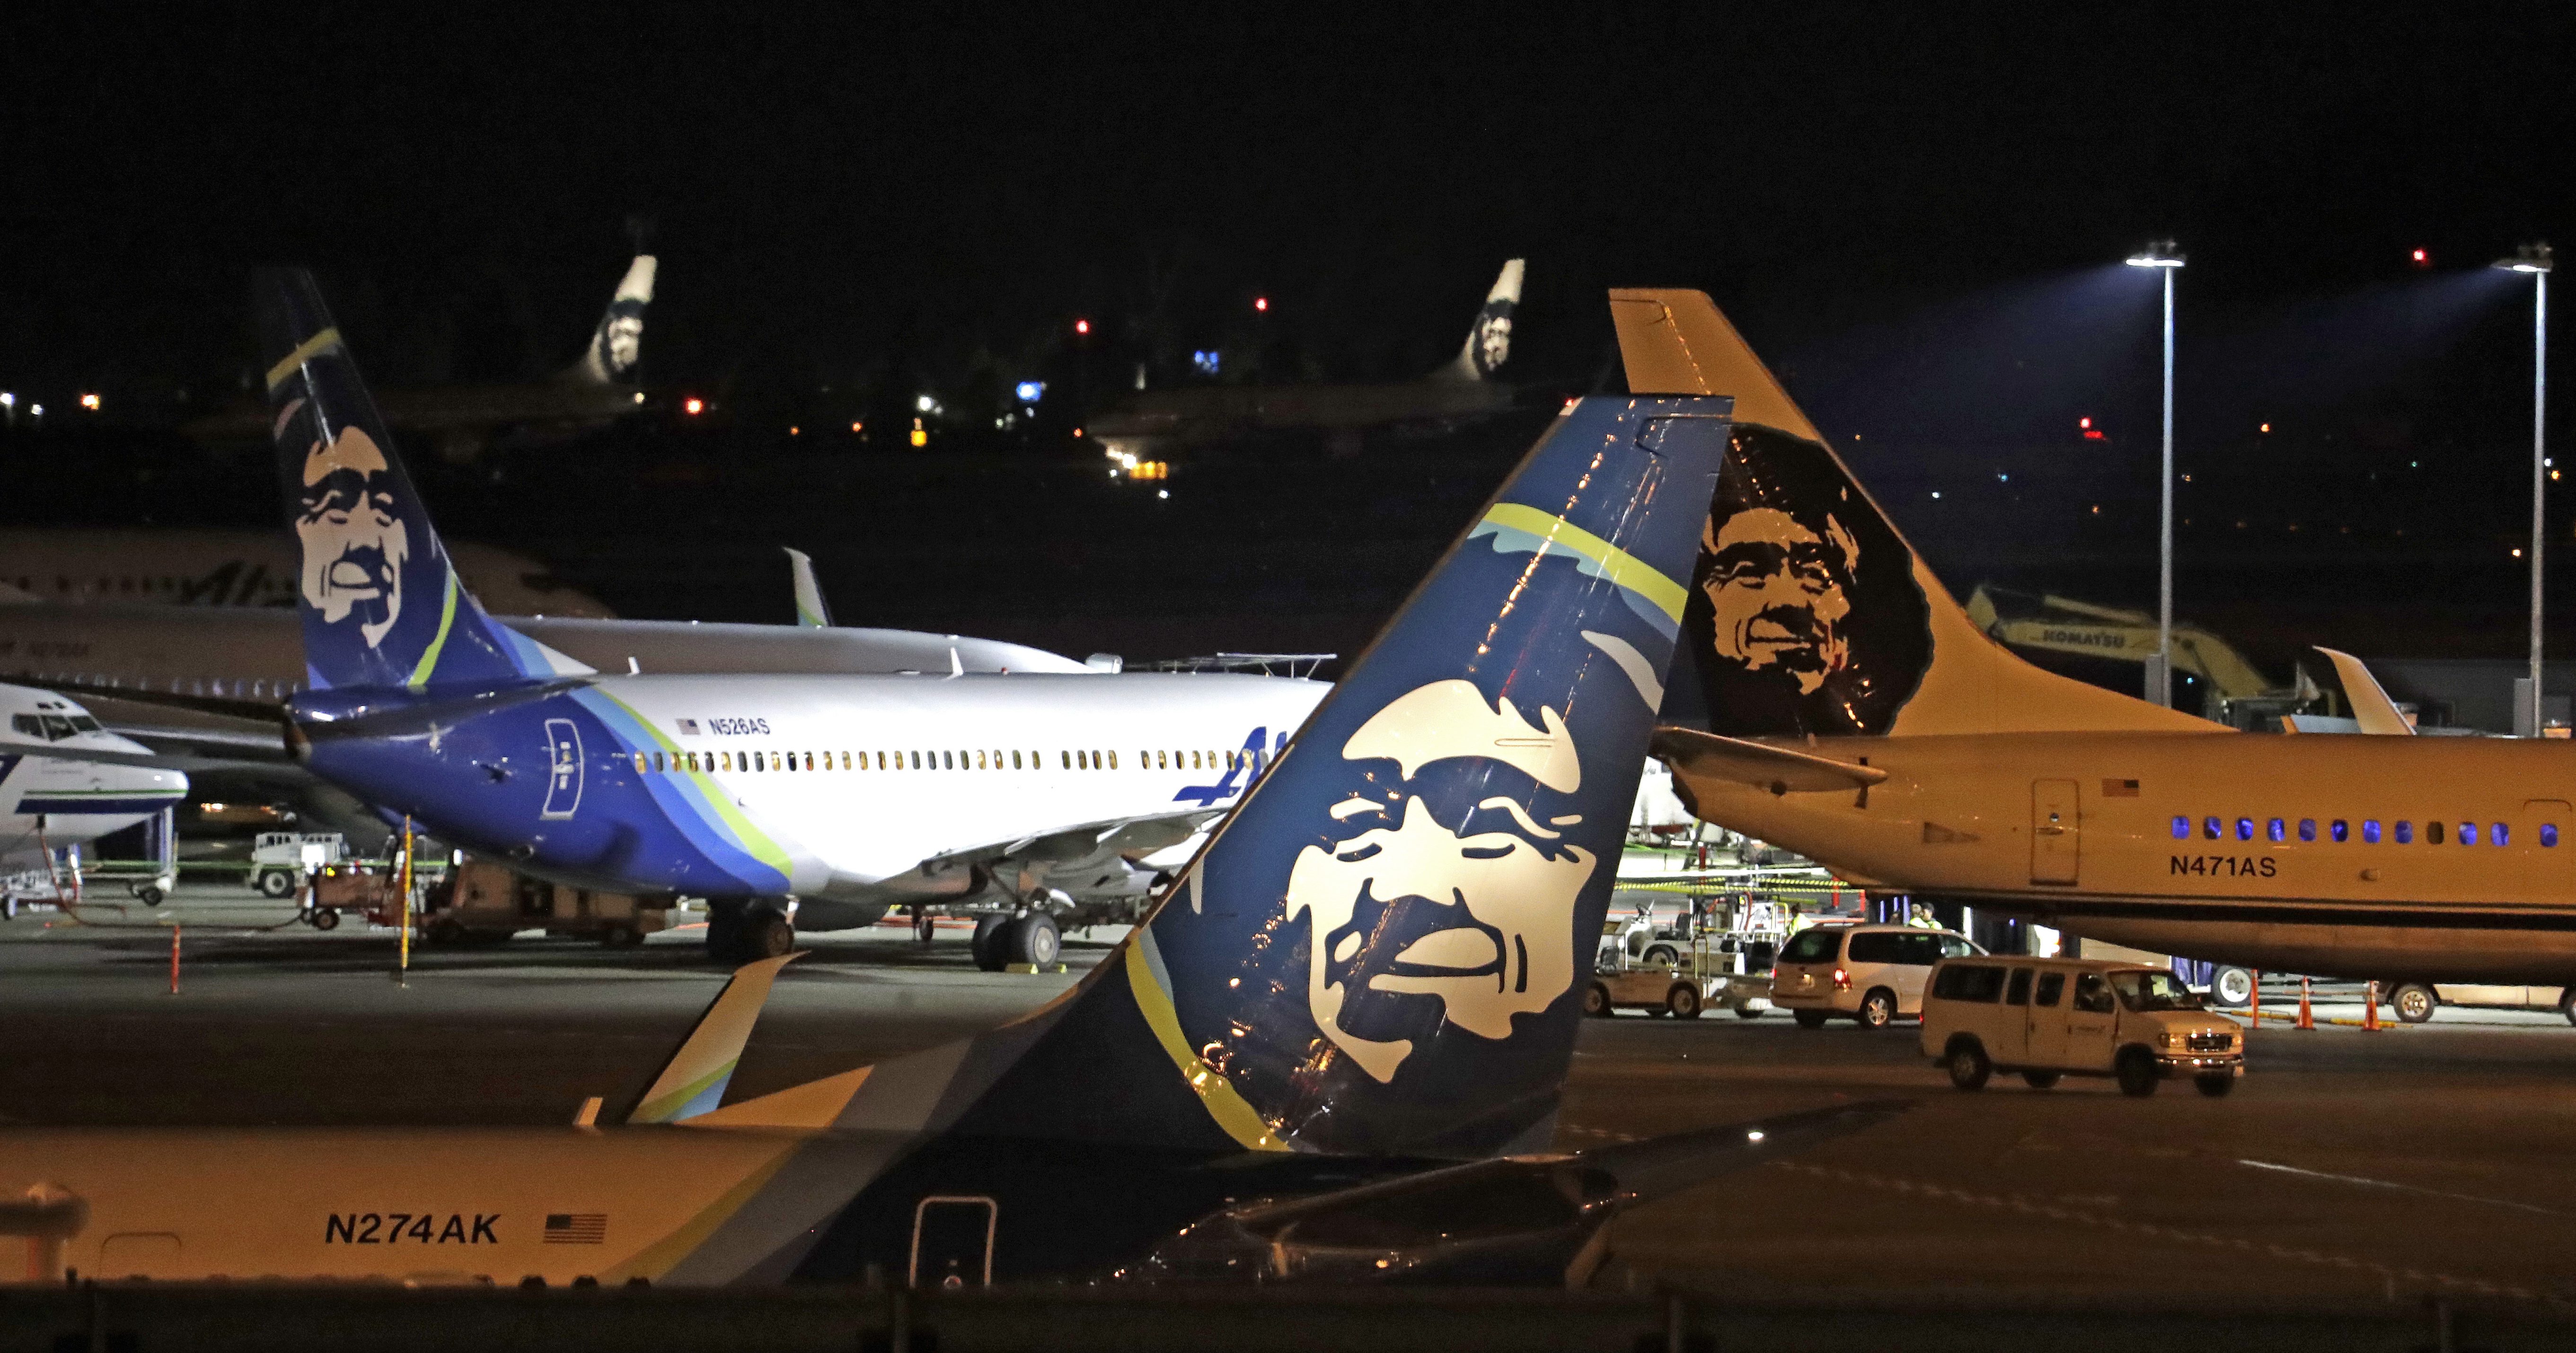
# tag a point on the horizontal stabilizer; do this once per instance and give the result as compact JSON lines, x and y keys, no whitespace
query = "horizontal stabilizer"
{"x":694,"y":1080}
{"x":1778,"y":769}
{"x":1662,"y":1165}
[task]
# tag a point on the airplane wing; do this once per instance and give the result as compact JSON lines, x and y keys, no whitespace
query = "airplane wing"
{"x":1781,"y":770}
{"x":2371,"y":707}
{"x":1070,"y":850}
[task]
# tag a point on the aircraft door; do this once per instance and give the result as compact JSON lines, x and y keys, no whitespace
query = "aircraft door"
{"x":952,"y":1242}
{"x":2546,"y":849}
{"x":563,"y":770}
{"x":2056,"y":835}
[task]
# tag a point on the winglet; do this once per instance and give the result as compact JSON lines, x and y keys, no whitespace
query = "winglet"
{"x":1675,"y":342}
{"x":811,"y":611}
{"x":2371,"y":707}
{"x":694,"y":1080}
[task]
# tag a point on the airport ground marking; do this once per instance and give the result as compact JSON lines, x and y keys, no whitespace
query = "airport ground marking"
{"x":2389,"y":1277}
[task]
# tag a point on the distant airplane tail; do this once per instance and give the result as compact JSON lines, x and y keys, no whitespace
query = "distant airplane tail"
{"x":811,"y":611}
{"x":1489,"y":339}
{"x":381,"y":603}
{"x":1385,"y":949}
{"x":1809,"y":613}
{"x":617,"y":346}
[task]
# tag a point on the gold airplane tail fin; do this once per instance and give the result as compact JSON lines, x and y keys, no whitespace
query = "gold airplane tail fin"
{"x":1808,"y":613}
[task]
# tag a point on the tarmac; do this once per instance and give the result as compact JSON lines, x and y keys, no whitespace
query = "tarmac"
{"x":2374,"y":1167}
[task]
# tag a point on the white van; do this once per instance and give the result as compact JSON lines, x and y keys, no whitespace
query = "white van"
{"x":1870,"y":973}
{"x":2052,"y":1017}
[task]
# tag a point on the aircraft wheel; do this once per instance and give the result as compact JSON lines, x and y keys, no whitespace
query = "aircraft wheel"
{"x":2215,"y":1085}
{"x":922,"y":924}
{"x":1809,"y":1019}
{"x":1969,"y":1064}
{"x":1035,"y":940}
{"x":724,"y":930}
{"x":1682,"y":1001}
{"x":324,"y":918}
{"x":1596,"y":1001}
{"x":2231,"y":987}
{"x":987,"y":945}
{"x":275,"y":883}
{"x":2136,"y":1069}
{"x":2039,"y":1080}
{"x":767,"y":934}
{"x":2414,"y":1002}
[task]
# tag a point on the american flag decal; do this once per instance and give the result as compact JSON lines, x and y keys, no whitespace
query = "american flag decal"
{"x":2119,"y":789}
{"x":688,"y":727}
{"x":576,"y":1228}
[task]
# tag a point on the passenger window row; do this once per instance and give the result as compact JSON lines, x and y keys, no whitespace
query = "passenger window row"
{"x":730,"y":762}
{"x":2402,"y":831}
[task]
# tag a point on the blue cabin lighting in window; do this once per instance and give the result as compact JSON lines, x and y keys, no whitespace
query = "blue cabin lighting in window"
{"x":2548,"y":835}
{"x":2244,"y":829}
{"x":2468,"y":833}
{"x":2307,"y":829}
{"x":2182,"y":829}
{"x":2370,"y":831}
{"x":2405,"y":832}
{"x":2498,"y":836}
{"x":2276,"y":830}
{"x":2210,"y":830}
{"x":2342,"y":830}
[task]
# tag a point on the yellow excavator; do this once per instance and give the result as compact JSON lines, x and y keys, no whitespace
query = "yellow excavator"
{"x":2234,"y":691}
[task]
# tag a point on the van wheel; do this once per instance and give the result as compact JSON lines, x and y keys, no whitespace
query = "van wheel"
{"x":1969,"y":1064}
{"x":1596,"y":1001}
{"x":2231,"y":987}
{"x":2215,"y":1085}
{"x":1878,"y":1009}
{"x":2414,"y":1002}
{"x":1809,"y":1019}
{"x":2136,"y":1069}
{"x":1682,"y":1001}
{"x":2039,"y":1080}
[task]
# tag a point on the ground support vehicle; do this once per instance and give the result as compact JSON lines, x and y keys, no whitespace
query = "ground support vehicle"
{"x":480,"y":902}
{"x":2051,"y":1017}
{"x":1707,"y":977}
{"x":279,"y":861}
{"x":1874,"y":974}
{"x":2415,"y":1002}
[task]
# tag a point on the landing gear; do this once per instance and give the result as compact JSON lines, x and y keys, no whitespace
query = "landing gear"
{"x":988,"y":945}
{"x":743,"y":931}
{"x":1036,"y":940}
{"x":922,"y":921}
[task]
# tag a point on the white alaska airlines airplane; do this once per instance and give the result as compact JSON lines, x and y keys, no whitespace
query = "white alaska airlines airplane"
{"x":52,"y":801}
{"x":848,"y":794}
{"x":1312,"y":1062}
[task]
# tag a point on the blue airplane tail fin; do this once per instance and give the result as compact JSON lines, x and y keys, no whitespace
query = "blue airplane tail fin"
{"x":381,"y":604}
{"x":1386,"y":948}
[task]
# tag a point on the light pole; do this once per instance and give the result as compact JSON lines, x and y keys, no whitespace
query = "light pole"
{"x":2534,"y":259}
{"x":2160,"y":667}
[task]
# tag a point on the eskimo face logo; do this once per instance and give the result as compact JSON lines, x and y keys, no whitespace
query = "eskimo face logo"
{"x":621,"y":339}
{"x":1493,"y":339}
{"x":355,"y":543}
{"x":1468,"y":904}
{"x":1780,"y":592}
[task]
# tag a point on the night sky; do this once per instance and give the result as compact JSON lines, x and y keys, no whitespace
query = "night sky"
{"x":1915,"y":211}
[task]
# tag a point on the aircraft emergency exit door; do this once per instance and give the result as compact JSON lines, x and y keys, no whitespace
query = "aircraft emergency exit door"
{"x":2056,"y":831}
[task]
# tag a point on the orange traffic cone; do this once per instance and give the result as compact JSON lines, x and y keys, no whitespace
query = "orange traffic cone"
{"x":2307,"y":1017}
{"x":2254,"y":1019}
{"x":2370,"y":1012}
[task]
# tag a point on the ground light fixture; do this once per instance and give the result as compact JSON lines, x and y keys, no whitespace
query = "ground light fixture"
{"x":2534,"y":260}
{"x":2163,"y":257}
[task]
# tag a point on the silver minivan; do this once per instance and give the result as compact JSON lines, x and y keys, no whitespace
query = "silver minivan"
{"x":1871,"y":973}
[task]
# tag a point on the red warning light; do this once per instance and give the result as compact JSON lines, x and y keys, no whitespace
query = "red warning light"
{"x":1261,"y":303}
{"x":1082,"y":326}
{"x":2422,"y":259}
{"x":693,"y":406}
{"x":2084,"y":422}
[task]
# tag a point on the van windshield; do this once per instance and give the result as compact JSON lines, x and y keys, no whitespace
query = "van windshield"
{"x":1821,"y":945}
{"x":2153,"y":991}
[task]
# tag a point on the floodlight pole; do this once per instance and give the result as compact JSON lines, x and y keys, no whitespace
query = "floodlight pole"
{"x":2539,"y":472}
{"x":2164,"y":564}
